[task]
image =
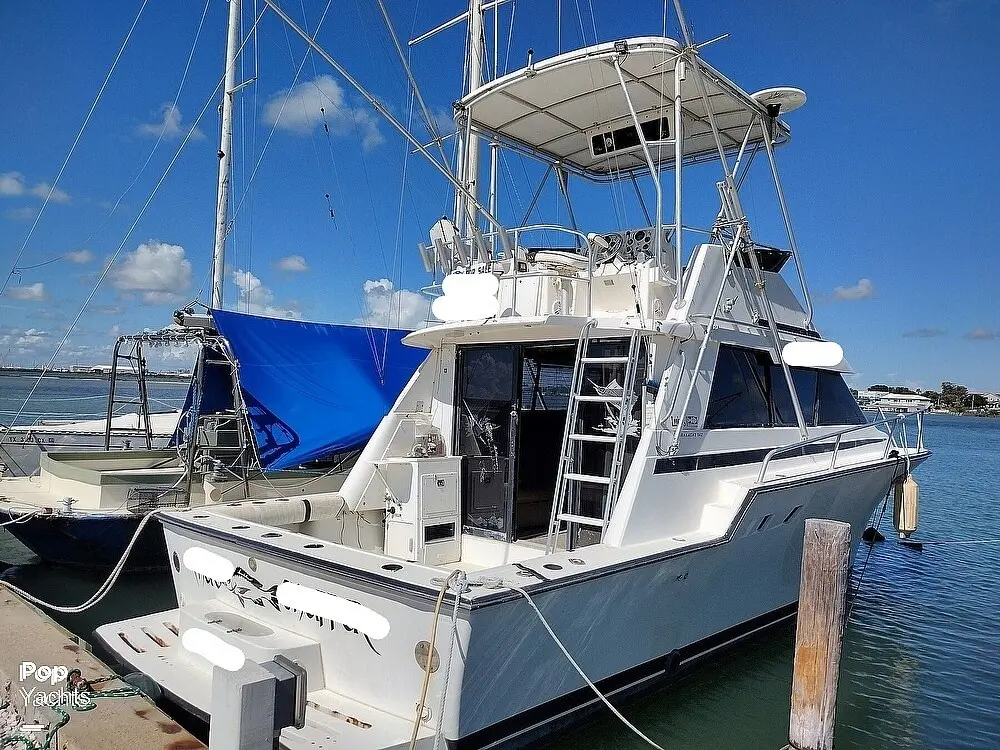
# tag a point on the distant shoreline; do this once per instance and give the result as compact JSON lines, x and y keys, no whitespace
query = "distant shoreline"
{"x":22,"y":371}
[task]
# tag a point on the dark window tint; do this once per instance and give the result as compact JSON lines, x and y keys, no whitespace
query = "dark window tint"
{"x":805,"y":387}
{"x":835,"y":404}
{"x":739,"y":390}
{"x":487,"y":373}
{"x":781,"y":398}
{"x":749,"y":390}
{"x":546,"y":378}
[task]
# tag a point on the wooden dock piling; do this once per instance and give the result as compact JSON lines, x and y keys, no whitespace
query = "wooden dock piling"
{"x":819,"y":633}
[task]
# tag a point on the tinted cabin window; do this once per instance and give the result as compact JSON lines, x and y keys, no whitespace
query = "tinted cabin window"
{"x":739,"y":391}
{"x":749,"y":390}
{"x":835,"y":404}
{"x":781,"y":399}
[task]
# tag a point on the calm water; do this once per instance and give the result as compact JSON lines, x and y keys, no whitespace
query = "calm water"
{"x":57,"y":398}
{"x":921,"y":666}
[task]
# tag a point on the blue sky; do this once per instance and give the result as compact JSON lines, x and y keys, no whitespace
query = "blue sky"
{"x":889,"y":174}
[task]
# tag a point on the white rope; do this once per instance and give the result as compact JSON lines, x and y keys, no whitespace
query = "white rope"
{"x":97,"y":595}
{"x":20,"y":519}
{"x":580,"y":671}
{"x":428,"y":667}
{"x":459,"y":584}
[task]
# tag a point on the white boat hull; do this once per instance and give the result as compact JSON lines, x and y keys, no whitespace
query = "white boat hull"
{"x":21,"y":447}
{"x":628,"y":625}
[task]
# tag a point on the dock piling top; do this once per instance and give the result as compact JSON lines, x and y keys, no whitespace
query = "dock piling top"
{"x":819,"y":633}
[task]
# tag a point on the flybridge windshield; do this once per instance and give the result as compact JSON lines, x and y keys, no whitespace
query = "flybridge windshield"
{"x":749,"y":390}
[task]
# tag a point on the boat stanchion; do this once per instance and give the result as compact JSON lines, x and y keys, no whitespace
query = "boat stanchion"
{"x":819,"y":633}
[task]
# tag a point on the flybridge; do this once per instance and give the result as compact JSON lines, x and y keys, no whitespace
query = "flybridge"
{"x":570,"y":109}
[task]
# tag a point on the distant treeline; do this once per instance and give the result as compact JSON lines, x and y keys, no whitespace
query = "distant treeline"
{"x":952,"y":396}
{"x":88,"y":375}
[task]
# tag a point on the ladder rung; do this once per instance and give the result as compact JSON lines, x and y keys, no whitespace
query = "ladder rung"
{"x":592,"y":438}
{"x":587,"y":478}
{"x":583,"y":520}
{"x":604,"y":360}
{"x":600,"y":399}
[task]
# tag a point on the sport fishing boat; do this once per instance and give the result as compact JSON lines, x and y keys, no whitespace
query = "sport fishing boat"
{"x":611,"y":429}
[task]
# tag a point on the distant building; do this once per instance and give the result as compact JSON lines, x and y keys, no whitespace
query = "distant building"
{"x":992,"y":400}
{"x":94,"y":369}
{"x":892,"y":403}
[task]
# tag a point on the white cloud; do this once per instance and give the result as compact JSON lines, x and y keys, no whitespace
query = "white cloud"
{"x":864,"y":289}
{"x":79,"y":256}
{"x":259,"y":299}
{"x":169,"y":125}
{"x":396,"y":308}
{"x":42,"y":190}
{"x":29,"y":292}
{"x":106,"y":309}
{"x":297,"y":110}
{"x":31,"y":337}
{"x":982,"y":334}
{"x":158,"y":270}
{"x":444,"y":121}
{"x":19,"y":214}
{"x":294,"y":263}
{"x":12,"y":184}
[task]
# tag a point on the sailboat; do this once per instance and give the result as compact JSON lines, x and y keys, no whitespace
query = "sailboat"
{"x":514,"y":563}
{"x":22,"y":446}
{"x":274,"y":406}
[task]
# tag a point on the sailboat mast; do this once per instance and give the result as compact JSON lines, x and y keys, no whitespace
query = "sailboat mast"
{"x":470,"y":174}
{"x":225,"y":157}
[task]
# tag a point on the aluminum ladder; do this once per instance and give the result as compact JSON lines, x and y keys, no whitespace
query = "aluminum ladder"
{"x":564,"y":498}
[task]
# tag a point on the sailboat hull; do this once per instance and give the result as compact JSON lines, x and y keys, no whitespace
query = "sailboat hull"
{"x":91,"y":541}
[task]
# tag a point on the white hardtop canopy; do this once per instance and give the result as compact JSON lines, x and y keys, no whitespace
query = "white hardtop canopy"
{"x":564,"y":108}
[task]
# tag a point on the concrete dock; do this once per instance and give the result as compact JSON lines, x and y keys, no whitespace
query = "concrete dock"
{"x":35,"y":656}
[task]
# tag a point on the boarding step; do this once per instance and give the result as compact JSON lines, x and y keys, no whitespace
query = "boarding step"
{"x":593,"y":478}
{"x":582,"y":520}
{"x":334,"y":721}
{"x":592,"y":438}
{"x":604,"y":360}
{"x":601,"y":399}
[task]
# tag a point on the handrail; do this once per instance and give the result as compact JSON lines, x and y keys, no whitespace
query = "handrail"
{"x":896,"y":420}
{"x":517,"y":231}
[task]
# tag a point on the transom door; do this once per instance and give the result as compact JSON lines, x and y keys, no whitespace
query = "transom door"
{"x":511,"y":402}
{"x":487,"y":406}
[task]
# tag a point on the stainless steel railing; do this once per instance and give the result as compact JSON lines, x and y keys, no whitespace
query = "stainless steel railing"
{"x":518,"y":231}
{"x":895,"y":422}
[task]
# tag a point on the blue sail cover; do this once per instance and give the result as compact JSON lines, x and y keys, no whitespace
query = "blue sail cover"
{"x":315,"y":389}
